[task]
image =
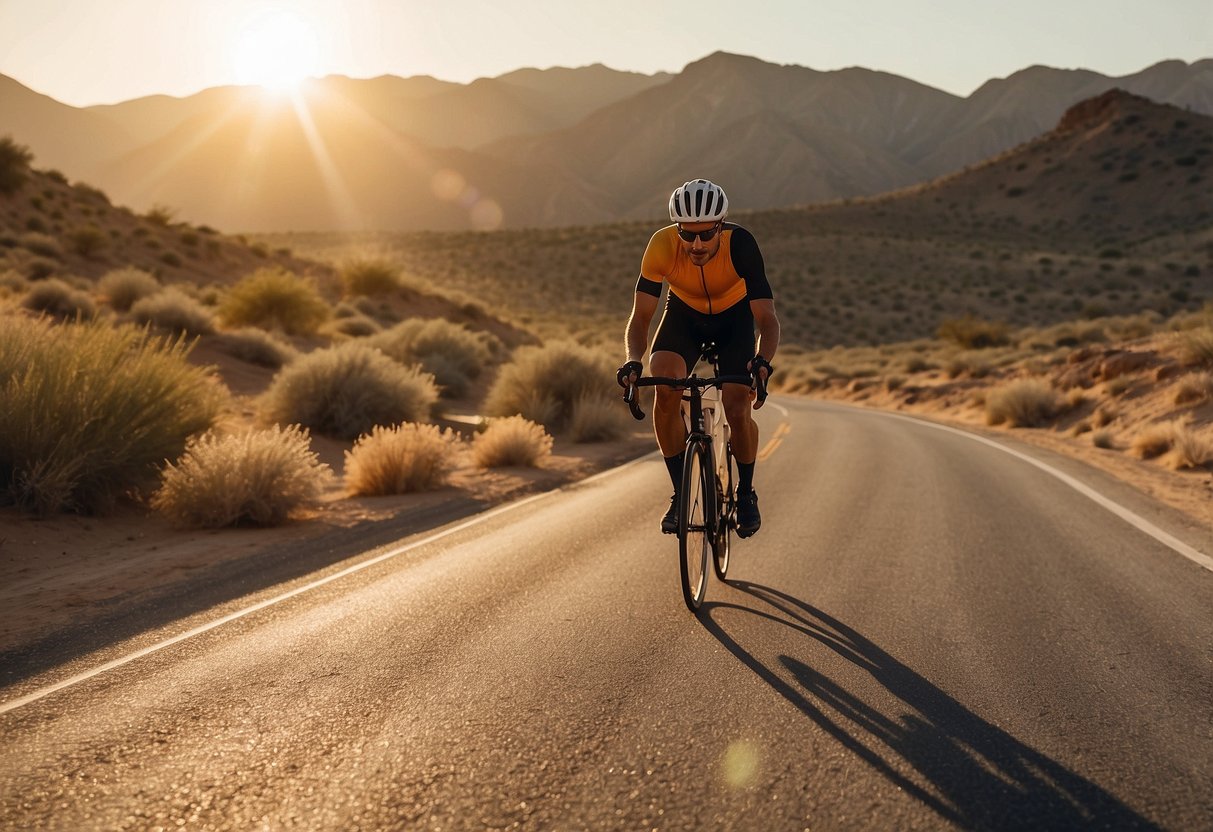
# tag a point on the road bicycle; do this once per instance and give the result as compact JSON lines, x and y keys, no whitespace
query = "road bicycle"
{"x":707,"y":499}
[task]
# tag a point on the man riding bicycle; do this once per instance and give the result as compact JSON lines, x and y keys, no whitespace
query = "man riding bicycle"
{"x":718,"y":292}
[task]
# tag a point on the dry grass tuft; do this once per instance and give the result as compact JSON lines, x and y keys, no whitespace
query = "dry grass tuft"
{"x":370,"y":276}
{"x":1195,"y":346}
{"x":971,"y":333}
{"x":259,"y":477}
{"x":1023,"y":403}
{"x":174,"y":311}
{"x":90,"y":410}
{"x":1154,"y":440}
{"x":598,"y":417}
{"x":1189,"y":449}
{"x":121,"y":288}
{"x":512,"y":441}
{"x":1193,"y":389}
{"x":345,"y":391}
{"x":1103,"y":439}
{"x":451,"y":352}
{"x":57,"y":297}
{"x":274,"y":298}
{"x":543,"y":383}
{"x":400,"y":459}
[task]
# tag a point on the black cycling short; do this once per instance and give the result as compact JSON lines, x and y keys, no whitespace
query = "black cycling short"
{"x":683,"y":329}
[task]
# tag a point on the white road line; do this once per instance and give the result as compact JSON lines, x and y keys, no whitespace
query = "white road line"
{"x":269,"y":602}
{"x":1120,"y":511}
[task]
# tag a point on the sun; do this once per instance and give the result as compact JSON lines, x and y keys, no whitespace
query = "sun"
{"x":276,"y":50}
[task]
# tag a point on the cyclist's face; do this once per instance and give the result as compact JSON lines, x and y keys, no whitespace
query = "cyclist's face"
{"x":699,"y":251}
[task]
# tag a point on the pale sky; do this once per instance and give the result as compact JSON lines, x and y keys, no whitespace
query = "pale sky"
{"x":102,"y":51}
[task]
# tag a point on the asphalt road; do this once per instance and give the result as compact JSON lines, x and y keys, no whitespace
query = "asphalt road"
{"x":927,"y":633}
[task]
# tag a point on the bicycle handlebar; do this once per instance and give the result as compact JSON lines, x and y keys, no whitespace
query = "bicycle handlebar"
{"x":754,"y":381}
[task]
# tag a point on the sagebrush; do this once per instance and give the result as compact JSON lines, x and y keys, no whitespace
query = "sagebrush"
{"x":346,"y":390}
{"x":543,"y":383}
{"x":274,"y":298}
{"x":88,"y":411}
{"x":512,"y":441}
{"x":400,"y":459}
{"x":258,"y":477}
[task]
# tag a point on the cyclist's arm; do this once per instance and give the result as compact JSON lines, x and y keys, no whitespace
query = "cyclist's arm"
{"x":768,"y":327}
{"x":643,"y":308}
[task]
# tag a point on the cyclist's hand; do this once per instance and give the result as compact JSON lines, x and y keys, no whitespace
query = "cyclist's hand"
{"x":761,"y":369}
{"x":628,"y":373}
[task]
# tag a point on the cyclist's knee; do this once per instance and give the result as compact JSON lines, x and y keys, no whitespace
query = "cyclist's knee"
{"x":736,"y":404}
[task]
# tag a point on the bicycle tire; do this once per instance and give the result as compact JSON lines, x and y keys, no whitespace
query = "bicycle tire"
{"x":694,"y":531}
{"x":722,"y":541}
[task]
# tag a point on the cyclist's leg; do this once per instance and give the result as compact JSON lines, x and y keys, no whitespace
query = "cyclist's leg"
{"x":735,"y":344}
{"x":674,"y":352}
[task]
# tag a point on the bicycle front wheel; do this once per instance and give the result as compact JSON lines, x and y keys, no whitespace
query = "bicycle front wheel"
{"x":694,"y":525}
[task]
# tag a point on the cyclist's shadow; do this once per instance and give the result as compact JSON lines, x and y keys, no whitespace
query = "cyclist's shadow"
{"x":979,"y":775}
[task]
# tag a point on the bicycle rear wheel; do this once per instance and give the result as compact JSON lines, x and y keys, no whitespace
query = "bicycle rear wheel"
{"x":694,"y":525}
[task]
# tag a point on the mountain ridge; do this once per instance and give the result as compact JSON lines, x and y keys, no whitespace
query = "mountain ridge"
{"x":554,"y":146}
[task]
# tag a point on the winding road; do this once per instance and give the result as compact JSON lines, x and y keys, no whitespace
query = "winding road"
{"x":928,"y":632}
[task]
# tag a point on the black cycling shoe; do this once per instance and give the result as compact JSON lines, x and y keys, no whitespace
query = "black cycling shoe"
{"x":748,"y":518}
{"x":669,"y":523}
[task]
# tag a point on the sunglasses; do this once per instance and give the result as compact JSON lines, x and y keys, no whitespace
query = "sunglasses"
{"x":689,"y":236}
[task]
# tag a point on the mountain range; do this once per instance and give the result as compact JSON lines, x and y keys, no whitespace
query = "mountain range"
{"x":550,"y":147}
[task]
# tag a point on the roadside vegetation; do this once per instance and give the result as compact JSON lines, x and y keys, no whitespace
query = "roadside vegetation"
{"x":256,"y":477}
{"x":400,"y":459}
{"x":89,"y":411}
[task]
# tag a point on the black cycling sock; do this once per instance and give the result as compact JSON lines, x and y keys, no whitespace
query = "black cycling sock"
{"x":674,"y":464}
{"x":745,"y":477}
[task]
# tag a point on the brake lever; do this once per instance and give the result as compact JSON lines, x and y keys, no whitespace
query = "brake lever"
{"x":629,"y":396}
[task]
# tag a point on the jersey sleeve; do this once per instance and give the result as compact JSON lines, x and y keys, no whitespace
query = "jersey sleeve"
{"x":657,"y":262}
{"x":649,"y":287}
{"x":747,"y":262}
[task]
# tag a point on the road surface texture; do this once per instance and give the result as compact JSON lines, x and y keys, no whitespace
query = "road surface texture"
{"x":927,"y":633}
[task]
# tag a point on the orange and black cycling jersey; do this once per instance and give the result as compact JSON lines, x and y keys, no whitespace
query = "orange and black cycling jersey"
{"x":735,"y":273}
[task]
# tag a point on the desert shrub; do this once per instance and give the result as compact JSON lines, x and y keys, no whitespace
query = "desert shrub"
{"x":258,"y":477}
{"x":43,"y":245}
{"x":1023,"y":403}
{"x":256,"y":346}
{"x":122,"y":287}
{"x":273,"y":298}
{"x":40,"y":268}
{"x":967,"y":362}
{"x":451,"y":352}
{"x":511,"y":441}
{"x":371,"y":276}
{"x":1189,"y":449}
{"x":1154,"y":440}
{"x":87,"y":411}
{"x":175,"y":311}
{"x":1193,"y":388}
{"x":400,"y":459}
{"x":346,"y":390}
{"x":161,"y":215}
{"x":542,"y":383}
{"x":87,"y":241}
{"x":598,"y":417}
{"x":58,"y":297}
{"x":14,"y":165}
{"x":12,"y":283}
{"x":1103,"y":439}
{"x":1196,"y":346}
{"x":973,"y":333}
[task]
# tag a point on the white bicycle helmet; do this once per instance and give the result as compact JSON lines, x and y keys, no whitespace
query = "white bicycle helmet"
{"x":698,"y":201}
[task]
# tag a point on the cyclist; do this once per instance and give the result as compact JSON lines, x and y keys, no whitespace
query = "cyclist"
{"x":718,"y":292}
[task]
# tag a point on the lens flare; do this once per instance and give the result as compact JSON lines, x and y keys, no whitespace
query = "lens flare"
{"x":740,"y":764}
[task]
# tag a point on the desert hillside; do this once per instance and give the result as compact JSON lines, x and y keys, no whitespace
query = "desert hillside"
{"x":1107,"y":213}
{"x":551,"y":148}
